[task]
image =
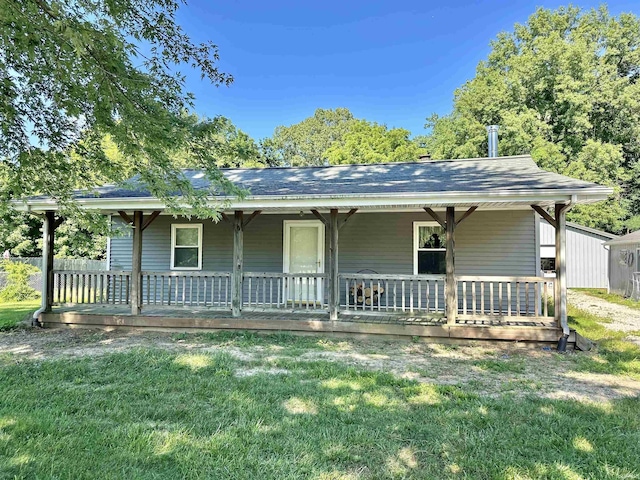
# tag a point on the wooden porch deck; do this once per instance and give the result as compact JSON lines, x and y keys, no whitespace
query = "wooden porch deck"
{"x":432,"y":326}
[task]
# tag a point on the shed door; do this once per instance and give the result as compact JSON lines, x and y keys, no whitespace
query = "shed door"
{"x":303,"y":253}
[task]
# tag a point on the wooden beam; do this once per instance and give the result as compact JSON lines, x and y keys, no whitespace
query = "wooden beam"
{"x":47,"y":259}
{"x":125,"y":217}
{"x":150,"y":220}
{"x":225,"y":217}
{"x":436,"y":217}
{"x":58,"y":221}
{"x":136,"y":264}
{"x":544,"y":214}
{"x":238,"y":263}
{"x":561,"y":268}
{"x":347,"y":217}
{"x":251,"y":217}
{"x":451,"y":285}
{"x":319,"y":216}
{"x":334,"y":283}
{"x":466,"y":214}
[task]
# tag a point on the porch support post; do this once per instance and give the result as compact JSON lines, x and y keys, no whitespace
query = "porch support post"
{"x":48,"y":238}
{"x":136,"y":264}
{"x":238,"y":260}
{"x":451,"y":287}
{"x":561,"y":272}
{"x":334,"y":284}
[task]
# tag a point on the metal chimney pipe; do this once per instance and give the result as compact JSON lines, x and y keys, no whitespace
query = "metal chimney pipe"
{"x":492,"y":130}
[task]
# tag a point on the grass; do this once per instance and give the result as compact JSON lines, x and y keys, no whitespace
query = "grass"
{"x":150,"y":413}
{"x":615,"y":354}
{"x":610,"y":297}
{"x":13,"y":313}
{"x":159,"y":414}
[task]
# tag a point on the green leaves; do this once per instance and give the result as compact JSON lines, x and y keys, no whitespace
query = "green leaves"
{"x":76,"y":72}
{"x":563,"y":87}
{"x":337,"y":137}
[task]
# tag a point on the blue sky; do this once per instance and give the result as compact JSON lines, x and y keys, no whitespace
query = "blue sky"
{"x":390,"y":61}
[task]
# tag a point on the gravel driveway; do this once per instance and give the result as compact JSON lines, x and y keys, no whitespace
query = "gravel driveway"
{"x":623,"y":319}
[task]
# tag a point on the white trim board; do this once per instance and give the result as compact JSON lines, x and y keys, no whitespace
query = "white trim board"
{"x":175,"y":226}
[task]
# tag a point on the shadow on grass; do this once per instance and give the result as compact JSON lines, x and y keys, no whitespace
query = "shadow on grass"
{"x":151,"y":413}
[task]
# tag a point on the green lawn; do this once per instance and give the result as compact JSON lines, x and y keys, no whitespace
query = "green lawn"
{"x":13,"y":313}
{"x":614,"y":354}
{"x":158,"y":413}
{"x":610,"y":297}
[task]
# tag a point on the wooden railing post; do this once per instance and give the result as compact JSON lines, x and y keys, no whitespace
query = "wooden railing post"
{"x":238,"y":253}
{"x":136,"y":264}
{"x":451,"y":286}
{"x":334,"y":285}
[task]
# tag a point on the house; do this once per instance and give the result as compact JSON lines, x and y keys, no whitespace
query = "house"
{"x":587,"y":259}
{"x":443,"y":249}
{"x":624,"y":265}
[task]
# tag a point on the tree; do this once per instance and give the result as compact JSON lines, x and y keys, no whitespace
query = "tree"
{"x":367,"y":142}
{"x":305,"y":143}
{"x":563,"y":87}
{"x":337,"y":137}
{"x":75,"y":72}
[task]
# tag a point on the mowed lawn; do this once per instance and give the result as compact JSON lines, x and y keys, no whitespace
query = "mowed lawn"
{"x":13,"y":313}
{"x":178,"y":412}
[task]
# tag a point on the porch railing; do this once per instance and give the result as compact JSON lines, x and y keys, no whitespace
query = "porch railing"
{"x":480,"y":296}
{"x":193,"y":289}
{"x":392,"y":293}
{"x":294,"y":291}
{"x":96,"y":287}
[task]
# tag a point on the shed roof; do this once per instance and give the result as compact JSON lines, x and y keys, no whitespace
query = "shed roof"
{"x":453,"y":182}
{"x":587,"y":230}
{"x":630,"y":238}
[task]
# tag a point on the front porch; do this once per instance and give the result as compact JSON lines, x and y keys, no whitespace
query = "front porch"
{"x":488,"y":308}
{"x":404,"y":325}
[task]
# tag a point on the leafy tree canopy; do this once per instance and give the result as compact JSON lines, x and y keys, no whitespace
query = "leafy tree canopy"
{"x":337,"y":137}
{"x":367,"y":142}
{"x":563,"y":87}
{"x":75,"y":72}
{"x":305,"y":143}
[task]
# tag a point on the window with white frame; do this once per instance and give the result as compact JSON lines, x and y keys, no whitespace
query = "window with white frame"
{"x":186,"y":246}
{"x":429,"y":248}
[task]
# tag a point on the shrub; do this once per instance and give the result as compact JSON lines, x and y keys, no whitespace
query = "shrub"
{"x":17,"y":287}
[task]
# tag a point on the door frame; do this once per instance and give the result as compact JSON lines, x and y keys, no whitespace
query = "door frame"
{"x":287,"y":224}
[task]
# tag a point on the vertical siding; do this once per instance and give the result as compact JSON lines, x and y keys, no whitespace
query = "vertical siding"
{"x":620,"y":273}
{"x":587,"y":259}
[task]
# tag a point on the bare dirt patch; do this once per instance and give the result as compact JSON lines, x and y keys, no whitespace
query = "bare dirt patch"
{"x":488,"y":371}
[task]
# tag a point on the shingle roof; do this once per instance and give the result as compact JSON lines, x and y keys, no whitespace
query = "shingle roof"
{"x":479,"y":175}
{"x":630,"y":238}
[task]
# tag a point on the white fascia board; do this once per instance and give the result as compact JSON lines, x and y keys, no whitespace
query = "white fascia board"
{"x":345,"y":201}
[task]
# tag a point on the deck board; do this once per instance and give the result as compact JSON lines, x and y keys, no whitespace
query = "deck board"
{"x":396,"y":324}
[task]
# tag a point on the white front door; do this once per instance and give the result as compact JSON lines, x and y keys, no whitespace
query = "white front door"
{"x":303,"y":253}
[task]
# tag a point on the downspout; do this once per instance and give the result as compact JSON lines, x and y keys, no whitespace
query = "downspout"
{"x":35,"y":322}
{"x":564,"y":323}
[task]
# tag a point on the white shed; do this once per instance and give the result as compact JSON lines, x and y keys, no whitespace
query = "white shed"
{"x":587,"y":258}
{"x":624,"y":254}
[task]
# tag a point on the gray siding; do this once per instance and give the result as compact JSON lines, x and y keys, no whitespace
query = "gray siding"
{"x":487,"y":243}
{"x":587,"y":259}
{"x":620,"y":272}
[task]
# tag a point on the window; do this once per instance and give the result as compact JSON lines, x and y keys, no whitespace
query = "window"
{"x":429,"y":248}
{"x":186,"y":247}
{"x":548,"y":264}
